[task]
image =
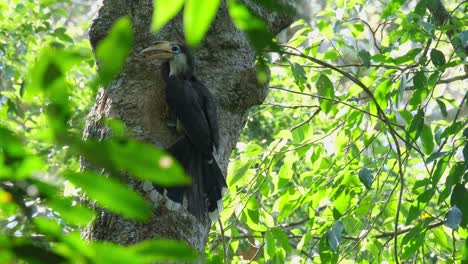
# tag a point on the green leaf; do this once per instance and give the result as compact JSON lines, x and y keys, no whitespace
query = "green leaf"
{"x":381,"y":93}
{"x":148,"y":163}
{"x":420,"y":8}
{"x":163,"y":11}
{"x":325,"y":89}
{"x":111,"y":194}
{"x":401,"y":90}
{"x":427,"y":139}
{"x":334,"y":236}
{"x":282,"y":238}
{"x":465,"y":252}
{"x":420,"y":86}
{"x":34,"y":254}
{"x":252,"y":219}
{"x":436,"y":155}
{"x":48,"y":227}
{"x":198,"y":15}
{"x":392,"y":7}
{"x":103,"y":252}
{"x":437,"y":58}
{"x":453,"y":218}
{"x":286,"y":204}
{"x":270,"y":246}
{"x":256,"y":28}
{"x":459,"y":198}
{"x":299,"y":74}
{"x":416,"y":125}
{"x":326,"y":254}
{"x":112,"y":52}
{"x":419,"y":205}
{"x":164,"y":250}
{"x":71,"y":214}
{"x":463,"y":36}
{"x":413,"y":239}
{"x":366,"y":177}
{"x":443,"y":108}
{"x":440,"y":169}
{"x":239,"y":173}
{"x":465,"y":155}
{"x":453,"y":129}
{"x":409,"y":56}
{"x":455,"y":175}
{"x":47,"y":75}
{"x":140,"y":160}
{"x":365,"y":57}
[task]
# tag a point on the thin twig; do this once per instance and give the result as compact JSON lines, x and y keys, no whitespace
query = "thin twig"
{"x":406,"y":230}
{"x":223,"y":239}
{"x":306,"y":121}
{"x":453,"y":79}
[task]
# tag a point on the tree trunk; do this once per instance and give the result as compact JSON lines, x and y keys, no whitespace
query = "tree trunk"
{"x":224,"y":63}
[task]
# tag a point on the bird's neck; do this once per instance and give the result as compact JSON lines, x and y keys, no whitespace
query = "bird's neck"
{"x":179,"y":68}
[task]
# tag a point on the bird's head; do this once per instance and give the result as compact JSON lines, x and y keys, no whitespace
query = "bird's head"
{"x":177,"y":56}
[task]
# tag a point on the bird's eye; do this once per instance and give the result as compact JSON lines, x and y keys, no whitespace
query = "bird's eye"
{"x":175,"y":49}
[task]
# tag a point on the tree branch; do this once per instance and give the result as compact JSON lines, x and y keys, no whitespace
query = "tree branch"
{"x":453,"y":79}
{"x":406,"y":230}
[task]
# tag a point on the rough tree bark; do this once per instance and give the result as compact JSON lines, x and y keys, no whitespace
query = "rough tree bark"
{"x":224,"y":62}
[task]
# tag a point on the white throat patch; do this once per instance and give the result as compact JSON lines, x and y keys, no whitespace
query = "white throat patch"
{"x":178,"y":65}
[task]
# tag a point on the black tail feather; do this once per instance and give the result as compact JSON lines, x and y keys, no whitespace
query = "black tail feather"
{"x":205,"y":192}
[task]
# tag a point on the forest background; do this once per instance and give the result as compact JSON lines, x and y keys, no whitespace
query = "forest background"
{"x":358,"y":153}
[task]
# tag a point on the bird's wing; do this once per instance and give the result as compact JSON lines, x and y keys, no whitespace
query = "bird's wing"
{"x":209,"y":108}
{"x":188,"y":106}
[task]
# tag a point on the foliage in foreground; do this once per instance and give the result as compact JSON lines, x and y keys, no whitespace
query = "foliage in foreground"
{"x":364,"y":132}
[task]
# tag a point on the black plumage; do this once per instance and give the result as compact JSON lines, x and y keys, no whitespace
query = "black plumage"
{"x":195,"y":109}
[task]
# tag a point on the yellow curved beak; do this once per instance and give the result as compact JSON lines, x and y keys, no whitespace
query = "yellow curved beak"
{"x":159,"y":50}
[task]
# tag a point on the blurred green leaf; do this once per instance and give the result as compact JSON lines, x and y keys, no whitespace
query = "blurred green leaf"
{"x":34,"y":254}
{"x":436,"y":155}
{"x":72,"y":214}
{"x":239,"y":173}
{"x":198,"y":15}
{"x":413,"y":239}
{"x":437,"y":58}
{"x":365,"y":57}
{"x":140,"y":160}
{"x":440,"y":168}
{"x":459,"y":198}
{"x":299,"y":75}
{"x":443,"y":108}
{"x":111,"y":194}
{"x":420,"y":86}
{"x":455,"y":175}
{"x":409,"y":56}
{"x":366,"y":177}
{"x":392,"y":7}
{"x":148,"y":163}
{"x":112,"y":52}
{"x":164,"y":250}
{"x":325,"y":89}
{"x":334,"y":236}
{"x":453,"y":218}
{"x":382,"y":91}
{"x":416,"y":125}
{"x":270,"y":245}
{"x":282,"y":239}
{"x":163,"y":11}
{"x":427,"y":139}
{"x":256,"y":29}
{"x":465,"y":155}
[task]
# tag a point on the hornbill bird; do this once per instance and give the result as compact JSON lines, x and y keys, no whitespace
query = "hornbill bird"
{"x":195,"y":110}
